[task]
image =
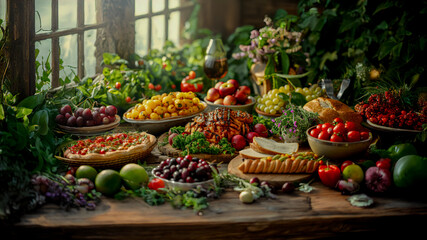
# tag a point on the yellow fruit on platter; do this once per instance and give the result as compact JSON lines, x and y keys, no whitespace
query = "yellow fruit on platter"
{"x":166,"y":105}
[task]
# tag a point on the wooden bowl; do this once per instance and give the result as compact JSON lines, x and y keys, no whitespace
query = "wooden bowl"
{"x":92,"y":130}
{"x":267,"y":115}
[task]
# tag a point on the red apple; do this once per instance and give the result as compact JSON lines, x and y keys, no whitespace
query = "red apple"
{"x":230,"y":100}
{"x":238,"y":142}
{"x":250,"y":136}
{"x":226,"y":89}
{"x":218,"y":84}
{"x":234,"y":82}
{"x":219,"y":101}
{"x":261,"y":130}
{"x":212,"y":94}
{"x":241,"y":96}
{"x":245,"y":89}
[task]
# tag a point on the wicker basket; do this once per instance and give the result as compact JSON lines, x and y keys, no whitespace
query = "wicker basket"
{"x":103,"y":163}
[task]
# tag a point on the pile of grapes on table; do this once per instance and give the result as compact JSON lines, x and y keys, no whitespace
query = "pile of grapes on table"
{"x":86,"y":117}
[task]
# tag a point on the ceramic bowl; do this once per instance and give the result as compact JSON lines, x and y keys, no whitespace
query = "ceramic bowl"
{"x":337,"y":150}
{"x":247,"y":107}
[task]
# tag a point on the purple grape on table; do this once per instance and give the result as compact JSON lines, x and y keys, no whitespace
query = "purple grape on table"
{"x":185,"y":169}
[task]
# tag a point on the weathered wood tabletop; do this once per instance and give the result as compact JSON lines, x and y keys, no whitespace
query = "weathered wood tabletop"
{"x":322,"y":213}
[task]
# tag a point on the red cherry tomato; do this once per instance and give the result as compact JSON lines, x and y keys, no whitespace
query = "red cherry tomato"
{"x":336,"y":138}
{"x":330,"y":131}
{"x":128,"y":99}
{"x":319,"y":126}
{"x":337,"y":120}
{"x":156,"y":183}
{"x":315,"y":132}
{"x":173,"y":86}
{"x":325,"y":126}
{"x":353,"y":136}
{"x":339,"y":128}
{"x":323,"y":135}
{"x":118,"y":85}
{"x":364,"y":135}
{"x":350,"y":126}
{"x":345,"y":164}
{"x":158,"y":87}
{"x":151,"y":86}
{"x":192,"y":75}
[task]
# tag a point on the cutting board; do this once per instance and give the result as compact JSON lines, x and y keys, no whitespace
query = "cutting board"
{"x":170,"y":151}
{"x":275,"y":179}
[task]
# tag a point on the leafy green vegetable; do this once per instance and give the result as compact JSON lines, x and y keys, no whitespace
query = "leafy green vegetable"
{"x":197,"y":143}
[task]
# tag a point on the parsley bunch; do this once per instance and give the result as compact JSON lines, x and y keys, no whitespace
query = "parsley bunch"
{"x":197,"y":143}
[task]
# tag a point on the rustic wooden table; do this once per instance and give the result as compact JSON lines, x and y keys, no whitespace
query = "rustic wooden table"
{"x":322,"y":213}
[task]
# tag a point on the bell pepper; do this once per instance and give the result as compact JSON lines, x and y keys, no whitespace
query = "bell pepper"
{"x":329,"y":174}
{"x":191,"y":85}
{"x":394,"y":152}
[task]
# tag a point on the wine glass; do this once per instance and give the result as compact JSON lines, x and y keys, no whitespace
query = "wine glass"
{"x":215,"y":66}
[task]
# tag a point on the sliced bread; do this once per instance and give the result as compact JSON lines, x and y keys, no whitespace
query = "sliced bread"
{"x":269,"y":146}
{"x":252,"y":154}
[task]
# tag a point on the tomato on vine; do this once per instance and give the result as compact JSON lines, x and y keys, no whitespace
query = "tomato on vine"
{"x":158,"y":87}
{"x":192,"y":75}
{"x":128,"y":99}
{"x":151,"y":86}
{"x":118,"y":85}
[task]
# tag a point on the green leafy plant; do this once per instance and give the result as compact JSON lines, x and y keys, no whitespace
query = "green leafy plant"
{"x":366,"y":41}
{"x":294,"y":122}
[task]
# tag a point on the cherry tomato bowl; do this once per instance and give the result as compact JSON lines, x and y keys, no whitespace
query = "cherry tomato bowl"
{"x":337,"y":150}
{"x":246,"y":107}
{"x":185,"y":186}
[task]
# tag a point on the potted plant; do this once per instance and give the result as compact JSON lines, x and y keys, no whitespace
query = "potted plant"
{"x":275,"y":52}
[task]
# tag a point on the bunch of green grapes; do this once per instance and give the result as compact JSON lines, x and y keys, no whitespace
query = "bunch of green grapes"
{"x":272,"y":103}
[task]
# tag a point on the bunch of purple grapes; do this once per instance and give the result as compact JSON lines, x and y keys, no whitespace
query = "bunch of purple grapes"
{"x":86,"y":117}
{"x":66,"y":191}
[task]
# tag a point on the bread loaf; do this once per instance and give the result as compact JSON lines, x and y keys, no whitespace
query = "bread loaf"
{"x":252,"y":154}
{"x":286,"y":163}
{"x":269,"y":146}
{"x":328,"y":109}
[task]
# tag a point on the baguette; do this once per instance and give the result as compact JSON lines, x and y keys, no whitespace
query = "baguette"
{"x":285,"y":163}
{"x":269,"y":146}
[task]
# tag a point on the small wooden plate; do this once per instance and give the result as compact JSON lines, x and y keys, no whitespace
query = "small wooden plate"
{"x":90,"y":131}
{"x":170,"y":151}
{"x":274,"y":179}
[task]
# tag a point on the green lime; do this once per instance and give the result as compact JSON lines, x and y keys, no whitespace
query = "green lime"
{"x":134,"y":176}
{"x":86,"y":171}
{"x":354,"y":172}
{"x":108,"y":182}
